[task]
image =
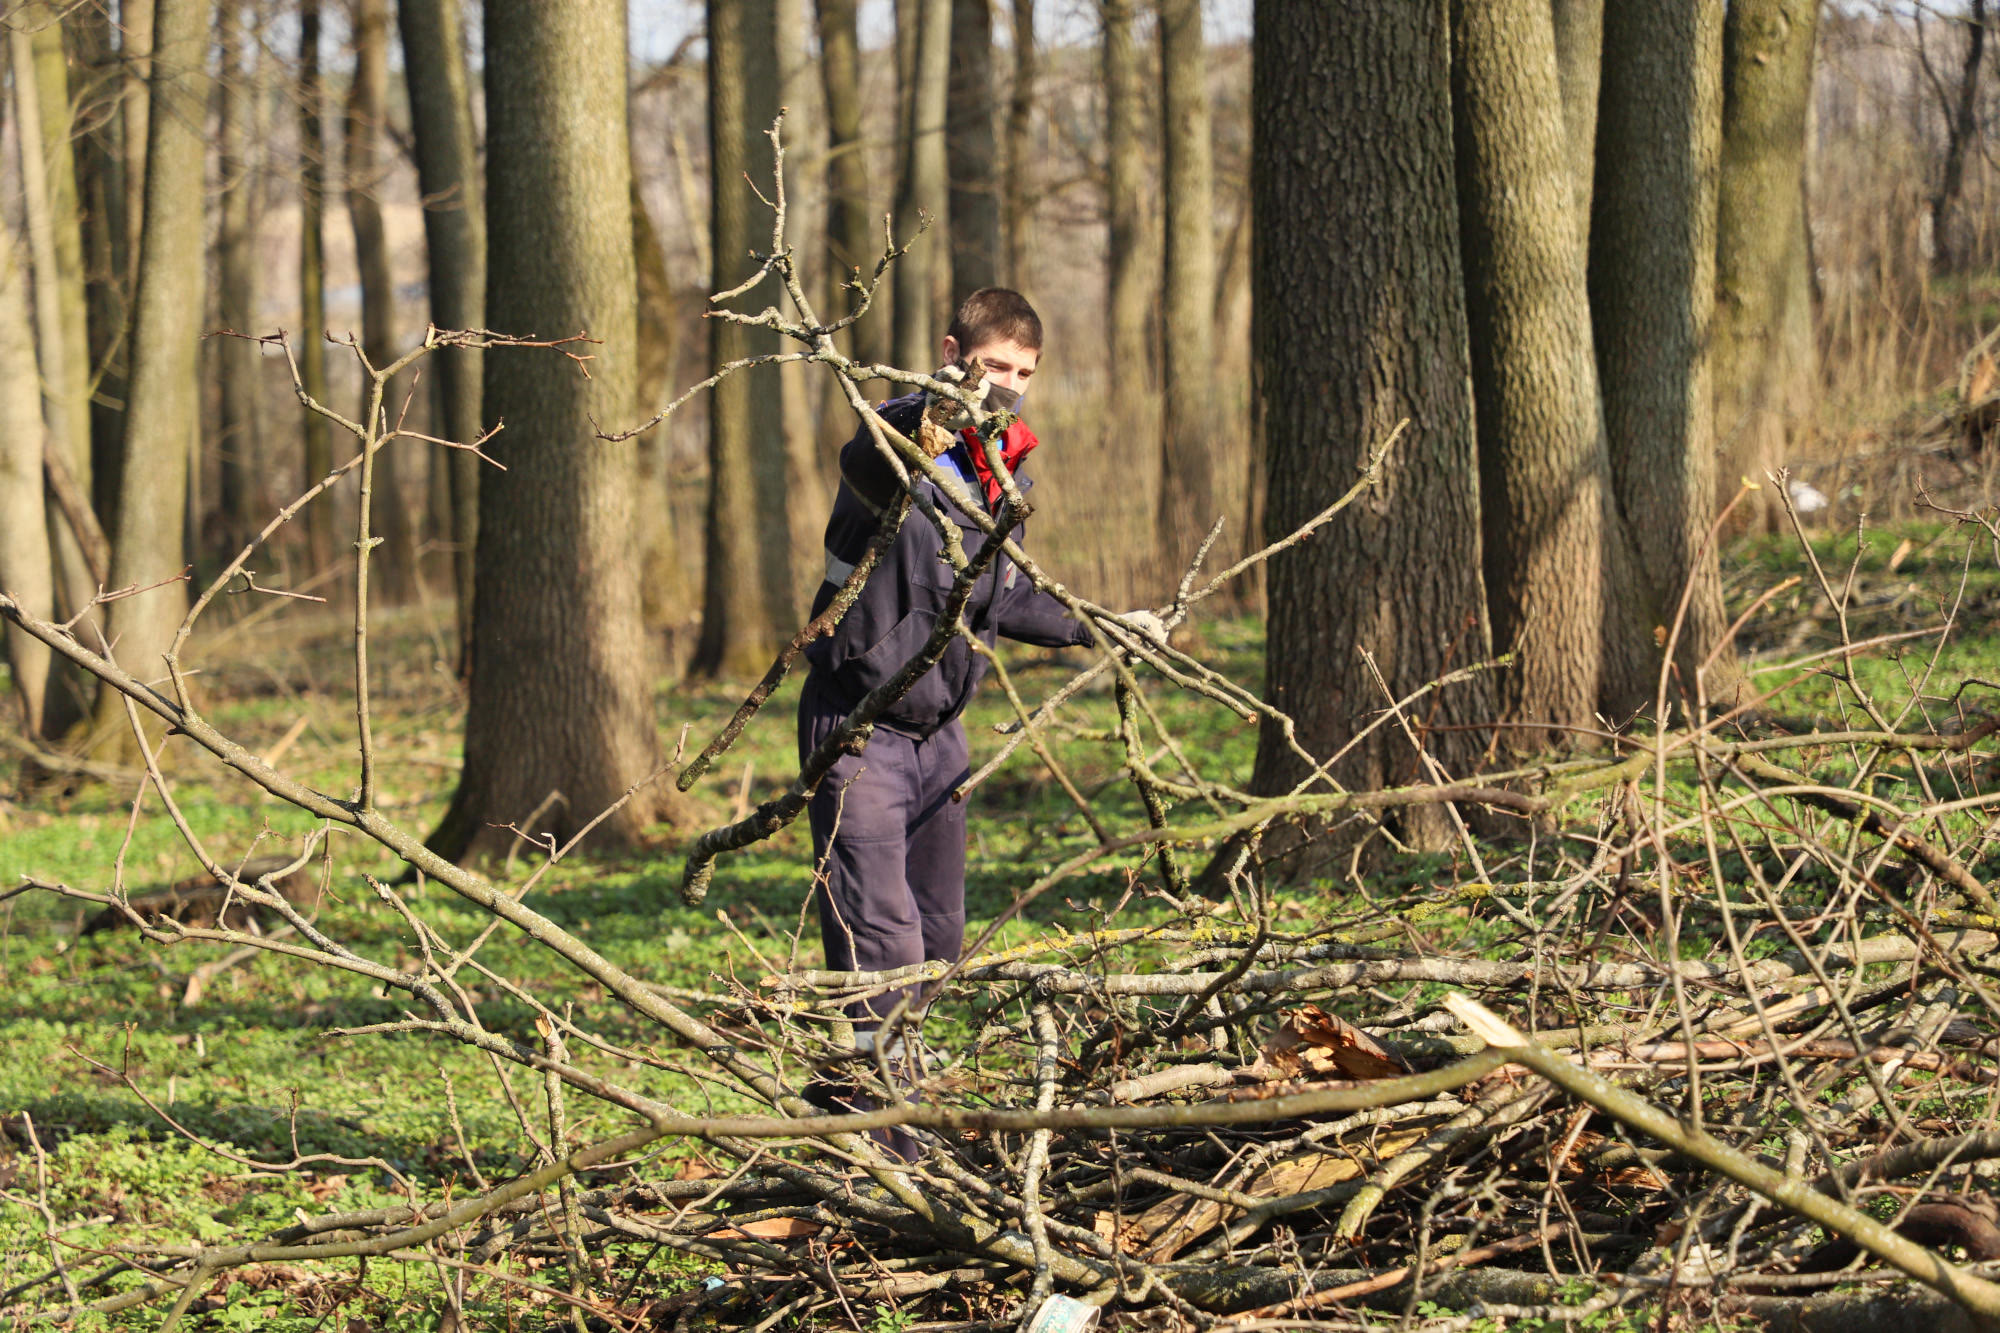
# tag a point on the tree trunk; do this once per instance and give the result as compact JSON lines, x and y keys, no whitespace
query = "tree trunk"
{"x":1017,"y":206}
{"x":1548,"y":518}
{"x":1132,"y":240}
{"x":25,"y":569}
{"x":312,"y":284}
{"x":560,"y":699}
{"x":1579,"y":26}
{"x":1764,"y":354}
{"x":106,"y":263}
{"x":807,"y":498}
{"x":135,"y":27}
{"x":1189,"y":498}
{"x":455,"y":240}
{"x":747,"y":591}
{"x":1652,"y":299}
{"x":48,"y":206}
{"x":1961,"y":129}
{"x":972,"y":151}
{"x":161,"y":414}
{"x":239,"y":436}
{"x":366,"y":167}
{"x":853,"y":235}
{"x":1351,"y":124}
{"x":923,"y":189}
{"x":664,"y":585}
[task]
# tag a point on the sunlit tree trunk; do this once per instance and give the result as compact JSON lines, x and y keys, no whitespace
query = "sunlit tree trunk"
{"x":312,"y":282}
{"x":923,"y":189}
{"x":1764,"y":354}
{"x":25,"y":570}
{"x":853,"y":226}
{"x":560,"y":697}
{"x":1351,"y":124}
{"x":106,"y":265}
{"x":1134,"y":253}
{"x":366,"y":168}
{"x":1189,"y":498}
{"x":455,"y":239}
{"x":807,"y":465}
{"x":166,"y":329}
{"x":1579,"y":28}
{"x":1652,"y":290}
{"x":135,"y":30}
{"x":972,"y":151}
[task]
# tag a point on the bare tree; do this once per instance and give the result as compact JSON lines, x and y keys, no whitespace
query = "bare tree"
{"x":1652,"y":302}
{"x":161,"y":416}
{"x":239,"y":434}
{"x":1351,"y":118}
{"x":923,"y":186}
{"x":1132,"y":240}
{"x":559,"y":719}
{"x":1552,"y":537}
{"x":433,"y":34}
{"x":318,"y":453}
{"x":972,"y":151}
{"x":1018,"y":191}
{"x":25,"y":569}
{"x":852,"y":220}
{"x":747,"y":594}
{"x":365,"y":166}
{"x":1188,"y":480}
{"x":1961,"y":129}
{"x":1764,"y":352}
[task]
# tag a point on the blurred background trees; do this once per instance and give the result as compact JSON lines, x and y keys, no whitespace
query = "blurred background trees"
{"x":1739,"y":236}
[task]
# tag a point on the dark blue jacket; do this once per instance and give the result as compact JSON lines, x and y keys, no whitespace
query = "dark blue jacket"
{"x":895,"y":613}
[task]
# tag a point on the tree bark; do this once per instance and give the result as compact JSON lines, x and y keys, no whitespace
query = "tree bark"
{"x":312,"y":283}
{"x":25,"y":569}
{"x":972,"y":151}
{"x":747,"y":583}
{"x":923,"y":189}
{"x":1764,"y":354}
{"x":366,"y":166}
{"x":161,"y":414}
{"x":107,"y":265}
{"x":1132,"y":240}
{"x":239,"y":433}
{"x":135,"y":27}
{"x":806,"y":497}
{"x":433,"y":34}
{"x":560,"y":699}
{"x":1579,"y":28}
{"x":1548,"y":518}
{"x":1652,"y":302}
{"x":1351,"y":124}
{"x":1189,"y":497}
{"x":853,"y":232}
{"x":1017,"y":205}
{"x":1961,"y":129}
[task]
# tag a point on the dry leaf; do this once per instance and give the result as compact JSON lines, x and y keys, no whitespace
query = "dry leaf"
{"x":1901,"y":553}
{"x":771,"y":1228}
{"x":1313,"y":1044}
{"x":1981,"y":381}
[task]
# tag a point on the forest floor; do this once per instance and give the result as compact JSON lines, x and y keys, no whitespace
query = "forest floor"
{"x":106,"y":1037}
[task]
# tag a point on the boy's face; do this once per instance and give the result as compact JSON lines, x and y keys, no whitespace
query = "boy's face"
{"x":1008,"y":363}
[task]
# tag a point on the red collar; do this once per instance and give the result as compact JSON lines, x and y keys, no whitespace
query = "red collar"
{"x":1014,"y":446}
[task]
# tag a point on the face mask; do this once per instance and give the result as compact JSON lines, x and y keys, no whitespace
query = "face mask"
{"x":1001,"y":399}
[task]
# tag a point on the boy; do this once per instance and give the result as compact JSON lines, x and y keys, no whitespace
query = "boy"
{"x":891,"y":839}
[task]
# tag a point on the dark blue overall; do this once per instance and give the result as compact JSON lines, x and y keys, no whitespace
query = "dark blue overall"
{"x":889,"y":837}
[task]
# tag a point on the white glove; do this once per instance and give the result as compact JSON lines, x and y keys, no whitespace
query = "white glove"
{"x":1147,"y":625}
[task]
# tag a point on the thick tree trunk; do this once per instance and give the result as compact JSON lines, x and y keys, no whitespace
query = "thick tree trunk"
{"x":1764,"y":354}
{"x":239,"y":437}
{"x":1017,"y":205}
{"x":747,"y":591}
{"x":923,"y":190}
{"x":1548,"y":518}
{"x":1579,"y":27}
{"x":25,"y":569}
{"x":1189,"y":497}
{"x":135,"y":28}
{"x":665,"y":586}
{"x":1652,"y":301}
{"x":52,"y":92}
{"x":312,"y":284}
{"x":972,"y":151}
{"x":560,"y":698}
{"x":1351,"y":124}
{"x":1133,"y":243}
{"x":366,"y":167}
{"x":806,"y":495}
{"x":166,"y":329}
{"x":455,"y":239}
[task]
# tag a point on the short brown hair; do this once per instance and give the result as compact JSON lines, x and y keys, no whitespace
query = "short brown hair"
{"x":995,"y":314}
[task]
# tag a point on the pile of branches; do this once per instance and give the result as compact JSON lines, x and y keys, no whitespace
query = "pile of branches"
{"x":1708,"y":1025}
